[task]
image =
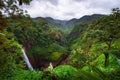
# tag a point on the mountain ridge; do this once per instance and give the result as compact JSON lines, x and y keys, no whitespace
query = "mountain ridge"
{"x":65,"y":24}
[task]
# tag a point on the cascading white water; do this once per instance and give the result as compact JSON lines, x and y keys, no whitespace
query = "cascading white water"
{"x":27,"y":60}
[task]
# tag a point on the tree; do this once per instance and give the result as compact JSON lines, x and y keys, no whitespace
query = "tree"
{"x":107,"y":30}
{"x":111,"y":30}
{"x":10,"y":50}
{"x":10,"y":8}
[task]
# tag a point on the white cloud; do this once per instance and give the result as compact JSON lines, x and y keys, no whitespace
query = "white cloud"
{"x":68,"y":9}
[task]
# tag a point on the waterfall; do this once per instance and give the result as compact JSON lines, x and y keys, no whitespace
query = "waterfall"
{"x":27,"y":60}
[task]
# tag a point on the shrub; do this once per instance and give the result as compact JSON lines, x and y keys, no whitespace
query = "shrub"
{"x":65,"y":72}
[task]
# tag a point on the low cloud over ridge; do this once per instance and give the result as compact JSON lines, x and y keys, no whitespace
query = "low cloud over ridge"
{"x":68,"y":9}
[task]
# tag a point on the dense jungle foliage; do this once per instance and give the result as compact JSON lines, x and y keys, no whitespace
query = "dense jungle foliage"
{"x":91,"y":51}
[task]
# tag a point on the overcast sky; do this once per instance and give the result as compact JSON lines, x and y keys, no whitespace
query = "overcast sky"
{"x":68,"y":9}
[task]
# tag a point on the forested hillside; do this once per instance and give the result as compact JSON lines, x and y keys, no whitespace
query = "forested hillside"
{"x":47,"y":49}
{"x":67,"y":25}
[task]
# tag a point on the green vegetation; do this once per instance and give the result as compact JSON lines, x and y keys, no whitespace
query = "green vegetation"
{"x":91,"y":51}
{"x":65,"y":72}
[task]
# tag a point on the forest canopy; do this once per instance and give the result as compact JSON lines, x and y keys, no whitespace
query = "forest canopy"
{"x":84,"y":49}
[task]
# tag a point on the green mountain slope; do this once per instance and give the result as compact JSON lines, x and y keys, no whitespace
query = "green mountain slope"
{"x":68,"y":24}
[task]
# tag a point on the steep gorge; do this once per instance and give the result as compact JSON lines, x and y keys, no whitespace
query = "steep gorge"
{"x":38,"y":57}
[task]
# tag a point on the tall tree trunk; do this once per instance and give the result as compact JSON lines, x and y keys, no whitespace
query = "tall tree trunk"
{"x":106,"y":53}
{"x":106,"y":59}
